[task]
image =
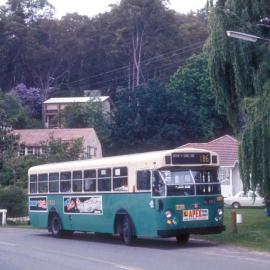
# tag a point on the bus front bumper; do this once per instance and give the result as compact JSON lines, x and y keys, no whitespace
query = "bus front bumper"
{"x":175,"y":232}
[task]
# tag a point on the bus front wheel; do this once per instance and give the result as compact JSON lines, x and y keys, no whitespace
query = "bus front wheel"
{"x":182,"y":239}
{"x":127,"y":232}
{"x":56,"y":226}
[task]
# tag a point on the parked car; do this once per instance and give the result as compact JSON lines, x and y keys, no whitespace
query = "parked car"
{"x":242,"y":199}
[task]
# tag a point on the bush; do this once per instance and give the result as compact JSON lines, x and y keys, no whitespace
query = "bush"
{"x":13,"y":199}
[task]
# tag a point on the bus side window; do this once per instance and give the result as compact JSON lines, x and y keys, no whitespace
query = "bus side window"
{"x":143,"y":180}
{"x":90,"y":180}
{"x":54,"y":182}
{"x":158,"y":186}
{"x":33,"y":183}
{"x":43,"y":183}
{"x":104,"y":180}
{"x":65,"y":181}
{"x":77,"y":181}
{"x":120,"y":179}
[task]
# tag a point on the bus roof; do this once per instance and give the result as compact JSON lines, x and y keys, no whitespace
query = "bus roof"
{"x":156,"y":157}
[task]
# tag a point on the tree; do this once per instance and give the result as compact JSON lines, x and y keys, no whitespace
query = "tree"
{"x":89,"y":115}
{"x":31,"y":98}
{"x":194,"y":102}
{"x":239,"y":73}
{"x":14,"y":199}
{"x":15,"y":169}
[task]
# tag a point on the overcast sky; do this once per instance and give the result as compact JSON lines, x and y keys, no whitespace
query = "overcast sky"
{"x":93,"y":7}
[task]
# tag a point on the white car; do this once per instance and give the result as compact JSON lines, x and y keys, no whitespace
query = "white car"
{"x":242,"y":199}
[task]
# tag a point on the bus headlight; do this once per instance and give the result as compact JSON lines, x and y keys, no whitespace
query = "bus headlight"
{"x":220,"y":212}
{"x":168,"y":214}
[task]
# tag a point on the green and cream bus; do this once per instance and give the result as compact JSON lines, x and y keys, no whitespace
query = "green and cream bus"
{"x":171,"y":193}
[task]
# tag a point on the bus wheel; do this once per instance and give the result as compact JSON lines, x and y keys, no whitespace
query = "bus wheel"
{"x":127,"y":233}
{"x":182,"y":239}
{"x":56,"y":226}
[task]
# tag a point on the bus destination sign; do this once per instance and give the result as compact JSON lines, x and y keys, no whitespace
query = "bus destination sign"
{"x":190,"y":158}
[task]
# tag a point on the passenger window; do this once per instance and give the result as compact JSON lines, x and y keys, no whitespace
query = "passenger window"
{"x":33,"y":183}
{"x":104,"y":180}
{"x":120,"y":179}
{"x":90,"y":180}
{"x":54,"y":182}
{"x":77,"y":181}
{"x":43,"y":183}
{"x":143,"y":180}
{"x":65,"y":181}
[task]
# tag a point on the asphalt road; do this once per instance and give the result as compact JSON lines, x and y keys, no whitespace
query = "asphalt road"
{"x":29,"y":249}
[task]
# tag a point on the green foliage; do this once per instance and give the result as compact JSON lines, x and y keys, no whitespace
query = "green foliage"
{"x":194,"y":101}
{"x":14,"y":199}
{"x":15,"y":169}
{"x":158,"y":117}
{"x":89,"y":115}
{"x":57,"y":151}
{"x":239,"y":73}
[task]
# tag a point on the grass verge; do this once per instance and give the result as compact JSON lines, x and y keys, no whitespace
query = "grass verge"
{"x":253,"y":233}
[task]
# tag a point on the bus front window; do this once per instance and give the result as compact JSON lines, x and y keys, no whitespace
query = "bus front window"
{"x":179,"y":183}
{"x":191,"y":182}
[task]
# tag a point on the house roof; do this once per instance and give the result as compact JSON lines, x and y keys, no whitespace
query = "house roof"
{"x":65,"y":100}
{"x":226,"y":146}
{"x":34,"y":137}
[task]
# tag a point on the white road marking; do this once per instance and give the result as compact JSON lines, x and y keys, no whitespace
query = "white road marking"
{"x":7,"y":244}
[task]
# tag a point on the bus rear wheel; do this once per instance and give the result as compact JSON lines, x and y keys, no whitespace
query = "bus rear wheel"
{"x":127,"y":232}
{"x":56,"y":226}
{"x":182,"y":239}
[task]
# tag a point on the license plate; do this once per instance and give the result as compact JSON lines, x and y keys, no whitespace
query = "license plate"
{"x":195,"y":214}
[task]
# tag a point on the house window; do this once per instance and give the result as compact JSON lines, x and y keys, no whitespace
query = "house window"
{"x":22,"y":150}
{"x":37,"y":151}
{"x":224,"y":176}
{"x":91,"y":151}
{"x":30,"y":150}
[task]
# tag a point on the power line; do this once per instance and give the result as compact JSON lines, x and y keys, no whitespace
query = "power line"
{"x":147,"y":61}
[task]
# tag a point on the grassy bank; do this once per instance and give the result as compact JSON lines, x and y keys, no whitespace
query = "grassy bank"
{"x":253,"y":233}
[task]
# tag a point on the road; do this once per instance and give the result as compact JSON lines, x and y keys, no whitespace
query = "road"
{"x":29,"y":249}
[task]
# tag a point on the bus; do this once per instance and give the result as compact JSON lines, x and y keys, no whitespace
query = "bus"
{"x":171,"y":193}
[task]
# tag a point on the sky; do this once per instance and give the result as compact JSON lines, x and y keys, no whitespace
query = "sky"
{"x":94,"y":7}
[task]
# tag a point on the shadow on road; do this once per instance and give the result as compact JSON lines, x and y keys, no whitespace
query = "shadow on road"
{"x":155,"y":243}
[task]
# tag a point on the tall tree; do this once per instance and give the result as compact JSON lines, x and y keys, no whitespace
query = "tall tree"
{"x":239,"y":73}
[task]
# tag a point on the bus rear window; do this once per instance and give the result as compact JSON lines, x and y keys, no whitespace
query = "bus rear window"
{"x":33,"y":183}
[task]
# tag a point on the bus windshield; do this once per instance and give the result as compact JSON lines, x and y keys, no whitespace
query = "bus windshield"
{"x":190,"y":182}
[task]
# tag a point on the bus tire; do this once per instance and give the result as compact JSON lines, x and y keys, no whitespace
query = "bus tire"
{"x":127,"y":232}
{"x":182,"y":239}
{"x":56,"y":226}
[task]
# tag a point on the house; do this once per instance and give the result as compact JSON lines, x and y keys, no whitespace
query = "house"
{"x":229,"y":174}
{"x":52,"y":107}
{"x":31,"y":141}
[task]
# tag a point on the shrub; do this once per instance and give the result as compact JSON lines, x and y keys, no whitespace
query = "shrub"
{"x":13,"y":199}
